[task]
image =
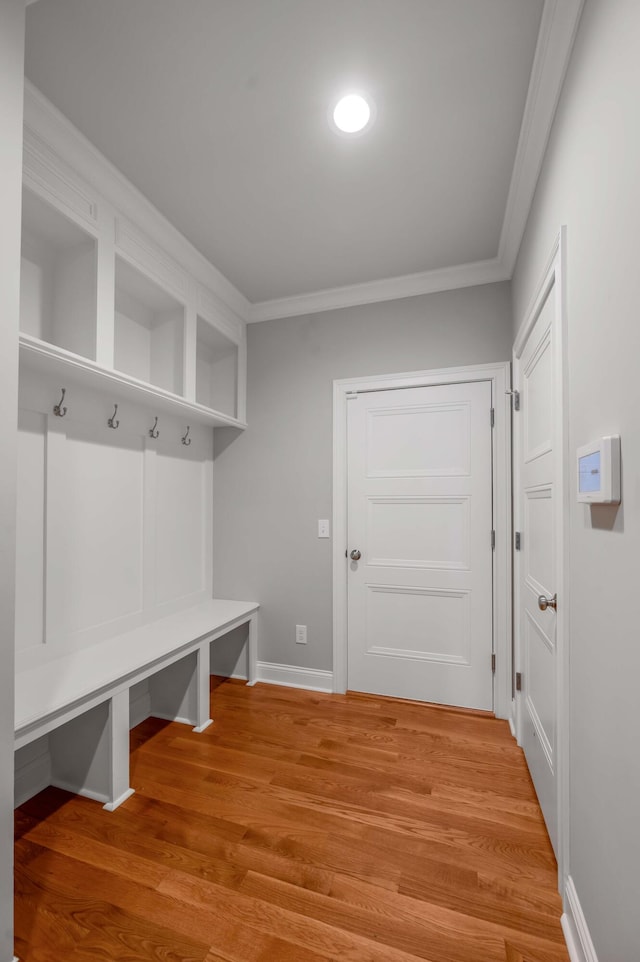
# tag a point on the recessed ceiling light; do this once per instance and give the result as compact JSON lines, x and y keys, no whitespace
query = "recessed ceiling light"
{"x":352,"y":114}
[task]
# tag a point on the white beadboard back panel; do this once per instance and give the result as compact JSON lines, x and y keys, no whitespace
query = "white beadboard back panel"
{"x":30,"y":574}
{"x":94,"y":527}
{"x":181,"y":504}
{"x":116,"y":527}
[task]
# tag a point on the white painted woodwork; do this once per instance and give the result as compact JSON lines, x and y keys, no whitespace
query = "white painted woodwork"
{"x":73,"y":714}
{"x":70,"y":369}
{"x":50,"y":693}
{"x":498,"y":376}
{"x":94,"y":526}
{"x":538,"y":493}
{"x":32,"y":767}
{"x":149,"y":330}
{"x":216,"y":369}
{"x":420,"y":513}
{"x":182,"y":524}
{"x":174,"y":691}
{"x":115,"y":528}
{"x":30,"y":529}
{"x":58,"y":279}
{"x":103,"y":302}
{"x":81,"y":754}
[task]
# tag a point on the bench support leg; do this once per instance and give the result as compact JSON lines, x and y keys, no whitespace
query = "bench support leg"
{"x":252,"y":646}
{"x":203,"y":697}
{"x":119,"y":768}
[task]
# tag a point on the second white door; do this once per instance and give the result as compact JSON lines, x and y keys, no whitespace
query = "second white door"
{"x":420,"y":544}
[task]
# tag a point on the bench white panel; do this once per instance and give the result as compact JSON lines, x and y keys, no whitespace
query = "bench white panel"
{"x":115,"y":528}
{"x":94,"y":533}
{"x":32,"y":433}
{"x":181,"y":530}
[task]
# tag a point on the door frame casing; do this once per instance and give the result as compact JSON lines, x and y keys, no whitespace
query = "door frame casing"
{"x":499,"y":375}
{"x":553,"y":274}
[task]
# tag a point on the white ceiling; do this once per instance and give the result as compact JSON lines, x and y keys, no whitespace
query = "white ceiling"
{"x":217,"y":110}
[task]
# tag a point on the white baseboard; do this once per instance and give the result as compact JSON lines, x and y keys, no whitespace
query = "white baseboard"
{"x":32,"y":778}
{"x":575,"y":928}
{"x":200,"y":728}
{"x":85,"y":792}
{"x":111,"y":806}
{"x":290,"y":676}
{"x":165,"y":716}
{"x":512,"y":727}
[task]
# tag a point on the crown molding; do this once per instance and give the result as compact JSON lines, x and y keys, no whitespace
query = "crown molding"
{"x":387,"y":289}
{"x":558,"y":28}
{"x":57,"y":132}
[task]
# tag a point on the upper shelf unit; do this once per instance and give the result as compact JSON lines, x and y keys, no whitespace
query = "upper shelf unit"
{"x":102,"y":302}
{"x":58,"y":278}
{"x":148,"y":330}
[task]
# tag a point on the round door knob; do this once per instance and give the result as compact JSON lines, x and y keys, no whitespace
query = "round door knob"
{"x":355,"y":555}
{"x":544,"y":602}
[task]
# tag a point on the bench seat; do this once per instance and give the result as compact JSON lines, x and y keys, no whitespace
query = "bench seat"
{"x":81,"y":699}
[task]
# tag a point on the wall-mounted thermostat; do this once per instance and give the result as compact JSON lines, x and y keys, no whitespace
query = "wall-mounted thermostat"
{"x":599,"y":471}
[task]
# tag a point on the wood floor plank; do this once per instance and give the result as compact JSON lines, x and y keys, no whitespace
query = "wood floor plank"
{"x":300,"y":827}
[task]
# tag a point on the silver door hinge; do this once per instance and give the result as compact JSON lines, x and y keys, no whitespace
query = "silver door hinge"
{"x":493,"y":663}
{"x":493,"y":417}
{"x":518,"y":540}
{"x":518,"y":681}
{"x":493,"y":540}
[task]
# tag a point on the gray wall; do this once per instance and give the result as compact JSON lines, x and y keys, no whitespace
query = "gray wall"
{"x":591,"y":183}
{"x":273,"y":482}
{"x":11,"y":87}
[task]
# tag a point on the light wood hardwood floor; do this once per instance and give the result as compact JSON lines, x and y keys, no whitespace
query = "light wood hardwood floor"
{"x":300,"y":827}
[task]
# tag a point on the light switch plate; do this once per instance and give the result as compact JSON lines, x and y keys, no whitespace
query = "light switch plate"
{"x":323,"y":529}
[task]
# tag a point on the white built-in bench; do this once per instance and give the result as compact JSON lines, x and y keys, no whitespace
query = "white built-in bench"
{"x":81,"y":700}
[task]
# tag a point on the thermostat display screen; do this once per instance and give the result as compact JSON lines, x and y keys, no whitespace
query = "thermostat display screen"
{"x":598,"y":466}
{"x":589,"y":478}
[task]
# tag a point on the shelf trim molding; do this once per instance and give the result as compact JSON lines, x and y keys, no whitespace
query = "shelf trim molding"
{"x":56,"y":360}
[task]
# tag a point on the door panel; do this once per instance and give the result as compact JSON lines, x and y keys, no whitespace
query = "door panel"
{"x":537,"y":493}
{"x":419,"y":532}
{"x":428,"y":440}
{"x":420,"y":513}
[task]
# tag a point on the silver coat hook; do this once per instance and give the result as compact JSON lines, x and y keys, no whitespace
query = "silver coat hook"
{"x":112,"y":420}
{"x":153,"y":432}
{"x":186,"y":439}
{"x":58,"y":410}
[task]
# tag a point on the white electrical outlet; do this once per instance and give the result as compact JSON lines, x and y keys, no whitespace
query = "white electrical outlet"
{"x":323,"y":529}
{"x":301,"y":634}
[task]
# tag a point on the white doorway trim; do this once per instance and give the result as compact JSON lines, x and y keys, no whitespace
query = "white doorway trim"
{"x":553,"y":274}
{"x":500,"y":377}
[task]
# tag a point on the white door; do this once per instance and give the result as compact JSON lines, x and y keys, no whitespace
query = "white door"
{"x":420,"y":517}
{"x":538,"y":522}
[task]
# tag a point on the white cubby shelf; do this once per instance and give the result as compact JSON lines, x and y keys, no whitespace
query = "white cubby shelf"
{"x":103,"y":305}
{"x":148,"y":330}
{"x":58,"y":281}
{"x":70,"y":369}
